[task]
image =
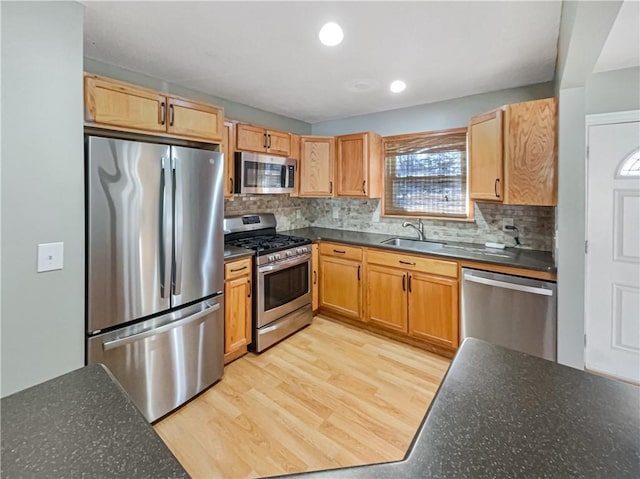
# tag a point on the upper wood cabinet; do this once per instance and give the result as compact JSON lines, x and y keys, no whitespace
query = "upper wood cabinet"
{"x":262,"y":140}
{"x":227,"y":147}
{"x":122,"y":106}
{"x":485,"y":156}
{"x":359,"y":165}
{"x":316,"y":166}
{"x":194,"y":120}
{"x":513,"y":154}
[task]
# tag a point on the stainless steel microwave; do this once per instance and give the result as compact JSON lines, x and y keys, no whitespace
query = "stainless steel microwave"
{"x":263,"y":174}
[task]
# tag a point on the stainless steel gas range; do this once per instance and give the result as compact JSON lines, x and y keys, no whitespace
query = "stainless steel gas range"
{"x":281,"y":277}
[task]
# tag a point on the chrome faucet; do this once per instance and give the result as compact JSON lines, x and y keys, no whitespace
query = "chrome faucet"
{"x":419,"y":229}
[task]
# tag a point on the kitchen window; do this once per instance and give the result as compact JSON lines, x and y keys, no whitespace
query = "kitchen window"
{"x":425,"y":174}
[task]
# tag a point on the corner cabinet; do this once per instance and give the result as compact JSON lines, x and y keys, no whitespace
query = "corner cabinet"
{"x":513,"y":154}
{"x":316,"y":166}
{"x":237,"y":308}
{"x":121,"y":106}
{"x":341,"y":280}
{"x":359,"y":165}
{"x":261,"y":140}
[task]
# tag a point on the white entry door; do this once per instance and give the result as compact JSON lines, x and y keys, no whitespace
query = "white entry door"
{"x":612,"y":306}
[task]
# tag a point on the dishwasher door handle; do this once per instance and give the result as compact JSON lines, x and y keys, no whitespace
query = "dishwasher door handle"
{"x":513,"y":286}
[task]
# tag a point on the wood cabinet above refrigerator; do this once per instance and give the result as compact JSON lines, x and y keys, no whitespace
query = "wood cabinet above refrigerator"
{"x":122,"y":106}
{"x":513,"y":154}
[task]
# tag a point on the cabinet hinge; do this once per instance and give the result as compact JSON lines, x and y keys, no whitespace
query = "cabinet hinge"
{"x":585,"y":340}
{"x":587,"y":152}
{"x":586,"y":246}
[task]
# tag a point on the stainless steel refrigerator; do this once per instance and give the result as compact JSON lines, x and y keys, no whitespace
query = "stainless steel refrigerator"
{"x":155,"y":272}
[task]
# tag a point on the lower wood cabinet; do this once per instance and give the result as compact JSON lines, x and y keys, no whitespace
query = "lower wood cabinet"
{"x":237,"y":308}
{"x":315,"y":279}
{"x":341,"y":280}
{"x":414,"y":296}
{"x":433,"y":309}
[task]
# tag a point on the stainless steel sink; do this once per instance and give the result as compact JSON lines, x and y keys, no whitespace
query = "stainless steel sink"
{"x":418,"y":245}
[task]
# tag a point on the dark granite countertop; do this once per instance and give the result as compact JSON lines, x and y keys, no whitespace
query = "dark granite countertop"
{"x":233,"y":252}
{"x":501,"y":413}
{"x":516,"y":257}
{"x":81,"y":424}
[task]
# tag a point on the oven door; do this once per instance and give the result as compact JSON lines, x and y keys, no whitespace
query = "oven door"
{"x":282,"y":288}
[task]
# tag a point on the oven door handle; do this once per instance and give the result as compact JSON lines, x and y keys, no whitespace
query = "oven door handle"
{"x":284,"y":264}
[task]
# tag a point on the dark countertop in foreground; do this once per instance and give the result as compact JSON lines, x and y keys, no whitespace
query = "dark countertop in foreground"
{"x":516,"y":257}
{"x":81,"y":424}
{"x":501,"y":413}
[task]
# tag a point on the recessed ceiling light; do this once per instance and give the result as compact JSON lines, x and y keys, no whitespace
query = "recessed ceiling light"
{"x":331,"y":34}
{"x":397,"y":86}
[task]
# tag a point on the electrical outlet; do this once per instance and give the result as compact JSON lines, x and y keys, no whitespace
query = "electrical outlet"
{"x":298,"y":214}
{"x":506,"y":222}
{"x":335,"y":213}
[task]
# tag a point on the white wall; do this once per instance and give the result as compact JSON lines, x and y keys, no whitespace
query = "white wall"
{"x":432,"y":116}
{"x":617,"y":90}
{"x":42,"y":191}
{"x":584,"y":28}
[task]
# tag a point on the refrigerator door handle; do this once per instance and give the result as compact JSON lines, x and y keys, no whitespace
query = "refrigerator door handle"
{"x":162,"y":329}
{"x":177,"y":227}
{"x":165,"y":228}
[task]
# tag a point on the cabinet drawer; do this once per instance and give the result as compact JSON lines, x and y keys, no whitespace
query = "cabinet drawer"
{"x":413,"y":263}
{"x":341,"y":251}
{"x":235,"y":269}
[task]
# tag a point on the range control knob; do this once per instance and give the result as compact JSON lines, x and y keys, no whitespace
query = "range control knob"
{"x":277,"y":256}
{"x":289,"y":253}
{"x":271,"y":257}
{"x":300,"y":250}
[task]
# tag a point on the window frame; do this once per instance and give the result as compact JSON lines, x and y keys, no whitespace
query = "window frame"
{"x":432,"y":216}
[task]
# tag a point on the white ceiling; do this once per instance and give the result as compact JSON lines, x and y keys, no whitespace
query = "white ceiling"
{"x":622,"y":48}
{"x":267,"y":54}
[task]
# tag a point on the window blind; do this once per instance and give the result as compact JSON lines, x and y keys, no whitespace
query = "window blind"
{"x":426,"y":174}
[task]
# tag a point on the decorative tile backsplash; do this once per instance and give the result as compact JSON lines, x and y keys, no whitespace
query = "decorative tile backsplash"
{"x":535,"y":223}
{"x":291,"y":213}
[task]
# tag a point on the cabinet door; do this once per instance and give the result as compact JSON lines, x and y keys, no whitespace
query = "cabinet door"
{"x":251,"y":138}
{"x":195,"y":120}
{"x":278,"y":143}
{"x":485,"y":157}
{"x":315,"y":267}
{"x":341,"y":286}
{"x":228,"y":151}
{"x":351,"y":162}
{"x":433,"y":309}
{"x":237,"y":314}
{"x":387,"y":297}
{"x":121,"y":105}
{"x":530,"y":149}
{"x":316,"y":166}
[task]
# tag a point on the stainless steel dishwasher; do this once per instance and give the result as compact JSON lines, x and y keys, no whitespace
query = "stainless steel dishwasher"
{"x":511,"y":311}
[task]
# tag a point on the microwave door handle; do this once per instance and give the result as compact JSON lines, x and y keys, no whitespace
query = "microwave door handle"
{"x":177,"y":227}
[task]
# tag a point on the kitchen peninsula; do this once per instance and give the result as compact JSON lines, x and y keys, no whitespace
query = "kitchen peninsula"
{"x":498,"y":413}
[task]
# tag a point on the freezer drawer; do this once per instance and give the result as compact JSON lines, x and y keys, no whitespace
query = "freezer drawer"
{"x":510,"y":311}
{"x":163,"y":362}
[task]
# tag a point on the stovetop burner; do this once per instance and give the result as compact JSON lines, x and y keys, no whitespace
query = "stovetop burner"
{"x":264,"y":244}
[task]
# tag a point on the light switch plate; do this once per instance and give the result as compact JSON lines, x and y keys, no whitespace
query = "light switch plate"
{"x":50,"y":256}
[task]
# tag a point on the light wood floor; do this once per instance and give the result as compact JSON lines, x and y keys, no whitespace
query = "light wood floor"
{"x":327,"y":397}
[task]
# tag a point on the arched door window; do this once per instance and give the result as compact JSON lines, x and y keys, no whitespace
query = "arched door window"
{"x":630,"y":166}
